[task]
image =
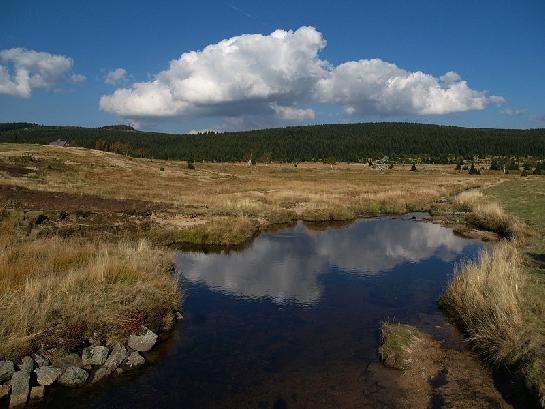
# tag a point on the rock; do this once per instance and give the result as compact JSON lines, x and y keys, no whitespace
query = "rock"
{"x":20,"y":387}
{"x":67,"y":360}
{"x":117,"y":357}
{"x":47,"y":375}
{"x":94,"y":355}
{"x":37,"y":392}
{"x":40,"y":360}
{"x":143,"y":343}
{"x":73,"y":376}
{"x":94,"y":340}
{"x":6,"y":370}
{"x":26,"y":364}
{"x":17,"y":401}
{"x":134,"y":360}
{"x":4,"y":391}
{"x":101,"y":373}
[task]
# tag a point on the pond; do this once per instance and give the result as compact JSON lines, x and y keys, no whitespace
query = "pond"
{"x":292,"y":320}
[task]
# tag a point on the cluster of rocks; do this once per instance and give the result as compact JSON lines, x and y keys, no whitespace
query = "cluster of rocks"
{"x":26,"y":381}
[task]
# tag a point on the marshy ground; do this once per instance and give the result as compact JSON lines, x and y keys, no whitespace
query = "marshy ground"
{"x":85,"y":235}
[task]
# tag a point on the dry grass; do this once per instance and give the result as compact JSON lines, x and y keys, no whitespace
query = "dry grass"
{"x":466,"y":201}
{"x":56,"y":292}
{"x":487,"y":215}
{"x":494,"y":301}
{"x":262,"y":195}
{"x":497,"y":275}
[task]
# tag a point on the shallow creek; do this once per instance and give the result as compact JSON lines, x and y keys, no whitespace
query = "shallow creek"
{"x":293,"y":320}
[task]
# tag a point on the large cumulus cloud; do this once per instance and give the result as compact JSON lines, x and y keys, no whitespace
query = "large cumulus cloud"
{"x":23,"y":70}
{"x":280,"y":75}
{"x":377,"y":87}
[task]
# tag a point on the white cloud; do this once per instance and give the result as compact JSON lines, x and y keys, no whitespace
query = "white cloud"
{"x":75,"y":78}
{"x":255,"y":78}
{"x":248,"y":73}
{"x":377,"y":87}
{"x":33,"y":69}
{"x":117,"y":76}
{"x":292,"y":113}
{"x":513,"y":112}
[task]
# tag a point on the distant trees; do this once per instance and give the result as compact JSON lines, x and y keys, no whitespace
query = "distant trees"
{"x":419,"y":143}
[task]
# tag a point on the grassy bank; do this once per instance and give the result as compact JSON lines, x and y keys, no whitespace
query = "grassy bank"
{"x":499,"y":300}
{"x":58,"y":292}
{"x":85,"y":232}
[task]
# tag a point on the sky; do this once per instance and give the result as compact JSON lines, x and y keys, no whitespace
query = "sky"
{"x":185,"y":66}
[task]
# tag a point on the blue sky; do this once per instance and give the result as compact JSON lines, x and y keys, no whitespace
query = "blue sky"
{"x":338,"y":68}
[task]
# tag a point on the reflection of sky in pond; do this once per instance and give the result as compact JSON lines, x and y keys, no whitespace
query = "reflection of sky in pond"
{"x":286,"y":266}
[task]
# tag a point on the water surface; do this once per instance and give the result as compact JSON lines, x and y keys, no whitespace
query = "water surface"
{"x":292,"y":320}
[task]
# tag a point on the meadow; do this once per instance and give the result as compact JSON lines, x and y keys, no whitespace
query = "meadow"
{"x":87,"y":238}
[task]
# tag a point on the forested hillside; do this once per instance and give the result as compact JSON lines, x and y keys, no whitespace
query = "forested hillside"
{"x":346,"y":142}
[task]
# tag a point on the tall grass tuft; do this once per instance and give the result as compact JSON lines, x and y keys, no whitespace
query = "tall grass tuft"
{"x":485,"y":296}
{"x":489,"y":298}
{"x":488,"y":215}
{"x":56,"y":292}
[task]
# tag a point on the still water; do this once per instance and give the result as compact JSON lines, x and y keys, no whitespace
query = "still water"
{"x":292,"y":320}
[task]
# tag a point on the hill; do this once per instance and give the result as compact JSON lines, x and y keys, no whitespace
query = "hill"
{"x":340,"y":142}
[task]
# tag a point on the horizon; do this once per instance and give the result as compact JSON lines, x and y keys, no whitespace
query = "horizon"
{"x":232,"y":66}
{"x":219,"y":132}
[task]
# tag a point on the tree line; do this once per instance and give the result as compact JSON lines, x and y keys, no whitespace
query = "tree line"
{"x":335,"y":142}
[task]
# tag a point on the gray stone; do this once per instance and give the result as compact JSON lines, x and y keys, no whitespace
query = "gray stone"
{"x":6,"y":370}
{"x":47,"y":375}
{"x":95,"y":355}
{"x":117,"y":357}
{"x":67,"y":361}
{"x":144,"y":342}
{"x":134,"y":360}
{"x":41,"y":360}
{"x":20,"y":387}
{"x":26,"y":364}
{"x":4,"y":391}
{"x":101,"y":373}
{"x":37,"y":392}
{"x":73,"y":376}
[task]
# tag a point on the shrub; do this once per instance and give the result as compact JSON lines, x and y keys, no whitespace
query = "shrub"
{"x":473,"y":170}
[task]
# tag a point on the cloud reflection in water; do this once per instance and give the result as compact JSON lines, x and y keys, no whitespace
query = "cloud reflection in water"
{"x":285,"y":266}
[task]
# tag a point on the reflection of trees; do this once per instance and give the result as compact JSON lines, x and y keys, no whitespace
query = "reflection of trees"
{"x":285,"y":266}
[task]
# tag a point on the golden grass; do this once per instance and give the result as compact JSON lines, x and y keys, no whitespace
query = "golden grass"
{"x":487,"y":215}
{"x":466,"y":201}
{"x":277,"y":193}
{"x":495,"y":303}
{"x":486,"y":294}
{"x":56,"y":292}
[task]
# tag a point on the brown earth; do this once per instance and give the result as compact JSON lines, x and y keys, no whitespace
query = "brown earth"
{"x":437,"y":377}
